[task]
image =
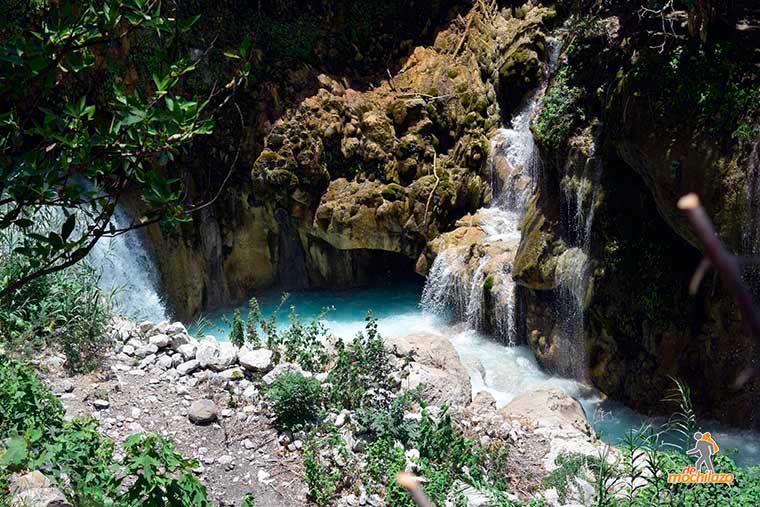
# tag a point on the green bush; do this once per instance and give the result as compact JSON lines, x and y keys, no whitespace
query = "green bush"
{"x":237,"y":336}
{"x":361,"y":365}
{"x":73,"y":453}
{"x":559,"y":112}
{"x":25,"y":403}
{"x":295,"y":400}
{"x":66,"y":310}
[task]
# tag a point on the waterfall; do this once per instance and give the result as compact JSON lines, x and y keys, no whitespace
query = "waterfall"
{"x":572,"y":278}
{"x":456,"y":284}
{"x":127,"y":270}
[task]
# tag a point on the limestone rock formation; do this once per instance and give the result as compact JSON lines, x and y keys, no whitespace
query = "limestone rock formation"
{"x":435,"y":365}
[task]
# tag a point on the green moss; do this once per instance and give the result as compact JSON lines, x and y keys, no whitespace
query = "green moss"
{"x":559,"y":113}
{"x":393,"y":192}
{"x":452,"y":73}
{"x":488,"y":284}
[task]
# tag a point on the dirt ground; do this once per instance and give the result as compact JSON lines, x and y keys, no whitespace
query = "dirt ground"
{"x":239,"y":453}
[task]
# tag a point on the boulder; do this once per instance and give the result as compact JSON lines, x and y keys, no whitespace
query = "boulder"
{"x":259,"y":360}
{"x":548,"y":407}
{"x":188,"y":367}
{"x":560,"y":420}
{"x":176,"y":328}
{"x":188,"y":350}
{"x":160,"y":340}
{"x":36,"y":490}
{"x":202,"y":412}
{"x":179,"y":339}
{"x":146,"y":350}
{"x":214,"y":355}
{"x":435,"y":365}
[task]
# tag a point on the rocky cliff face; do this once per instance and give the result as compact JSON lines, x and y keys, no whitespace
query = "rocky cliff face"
{"x":625,"y":130}
{"x":354,"y":180}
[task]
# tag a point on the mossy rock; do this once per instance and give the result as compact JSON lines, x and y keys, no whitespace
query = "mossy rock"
{"x":394,"y":192}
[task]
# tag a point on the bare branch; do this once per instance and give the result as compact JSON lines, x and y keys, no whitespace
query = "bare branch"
{"x":727,"y":265}
{"x":411,"y":484}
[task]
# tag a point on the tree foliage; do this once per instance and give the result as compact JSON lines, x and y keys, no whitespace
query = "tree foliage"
{"x":80,"y":128}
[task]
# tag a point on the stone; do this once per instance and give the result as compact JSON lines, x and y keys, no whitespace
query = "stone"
{"x":259,"y":360}
{"x":64,"y":386}
{"x":165,"y":362}
{"x":251,"y":392}
{"x":214,"y":355}
{"x":145,"y":327}
{"x":128,"y":350}
{"x":35,"y":490}
{"x":278,"y":370}
{"x":179,"y":339}
{"x":147,"y":361}
{"x":176,"y":328}
{"x":101,"y":404}
{"x":187,"y":350}
{"x":146,"y":350}
{"x":435,"y":366}
{"x":202,"y":412}
{"x":159,"y":340}
{"x":188,"y":367}
{"x":233,"y":374}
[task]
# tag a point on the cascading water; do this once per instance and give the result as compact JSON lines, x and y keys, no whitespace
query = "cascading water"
{"x":458,"y":293}
{"x":573,"y":267}
{"x":129,"y":273}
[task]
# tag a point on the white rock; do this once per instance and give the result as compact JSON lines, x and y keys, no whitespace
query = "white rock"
{"x":251,"y":392}
{"x":179,"y":339}
{"x":165,"y":362}
{"x":202,"y":412}
{"x":176,"y":328}
{"x":264,"y":477}
{"x":147,"y":361}
{"x":187,"y":350}
{"x":159,"y":340}
{"x":145,"y":326}
{"x":214,"y":355}
{"x":101,"y":404}
{"x":259,"y":360}
{"x":128,"y":350}
{"x":188,"y":367}
{"x":233,"y":374}
{"x":146,"y":350}
{"x":279,"y":370}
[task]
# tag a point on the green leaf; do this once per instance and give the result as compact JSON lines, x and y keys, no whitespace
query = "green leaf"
{"x":229,"y":54}
{"x":68,"y":227}
{"x":15,"y":453}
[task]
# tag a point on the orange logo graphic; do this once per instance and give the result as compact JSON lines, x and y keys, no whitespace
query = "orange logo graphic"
{"x":704,"y":448}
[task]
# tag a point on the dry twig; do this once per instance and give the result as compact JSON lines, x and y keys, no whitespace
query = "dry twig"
{"x":727,"y":265}
{"x":411,"y":484}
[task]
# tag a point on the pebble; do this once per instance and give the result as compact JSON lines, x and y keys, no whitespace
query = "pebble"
{"x":101,"y":404}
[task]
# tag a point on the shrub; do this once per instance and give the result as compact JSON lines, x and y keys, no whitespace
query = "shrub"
{"x":237,"y":337}
{"x":559,"y":112}
{"x":304,"y":343}
{"x":25,"y":402}
{"x":322,"y":476}
{"x":65,"y":309}
{"x":295,"y":400}
{"x":361,"y":365}
{"x":74,"y":453}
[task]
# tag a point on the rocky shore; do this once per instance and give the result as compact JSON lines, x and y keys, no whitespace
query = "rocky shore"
{"x":209,"y":397}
